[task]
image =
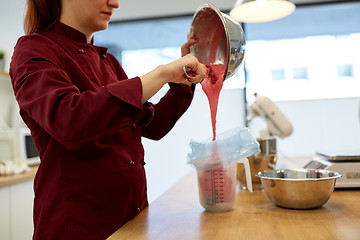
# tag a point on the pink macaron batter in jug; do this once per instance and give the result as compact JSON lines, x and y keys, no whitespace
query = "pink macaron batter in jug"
{"x":216,"y":184}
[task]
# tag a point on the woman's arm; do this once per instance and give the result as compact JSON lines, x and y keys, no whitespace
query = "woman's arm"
{"x":153,"y":81}
{"x":173,"y":105}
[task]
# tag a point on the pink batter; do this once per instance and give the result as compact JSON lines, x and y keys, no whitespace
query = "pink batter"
{"x":212,"y":86}
{"x":216,"y":186}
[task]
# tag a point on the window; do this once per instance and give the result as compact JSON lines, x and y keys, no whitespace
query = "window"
{"x":314,"y":52}
{"x":300,"y":73}
{"x":345,"y":70}
{"x":278,"y":74}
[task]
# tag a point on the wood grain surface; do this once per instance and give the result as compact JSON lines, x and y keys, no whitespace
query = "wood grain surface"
{"x":177,"y":214}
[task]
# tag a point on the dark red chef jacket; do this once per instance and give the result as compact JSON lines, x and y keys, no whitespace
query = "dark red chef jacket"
{"x":87,"y":120}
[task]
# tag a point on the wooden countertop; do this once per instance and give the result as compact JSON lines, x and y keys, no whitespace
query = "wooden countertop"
{"x":4,"y":73}
{"x":8,"y":180}
{"x":177,"y":214}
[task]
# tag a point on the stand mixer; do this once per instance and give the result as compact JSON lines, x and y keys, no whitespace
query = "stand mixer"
{"x":277,"y":125}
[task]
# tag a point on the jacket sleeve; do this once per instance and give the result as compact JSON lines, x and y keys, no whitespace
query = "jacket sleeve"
{"x":168,"y":110}
{"x":49,"y":100}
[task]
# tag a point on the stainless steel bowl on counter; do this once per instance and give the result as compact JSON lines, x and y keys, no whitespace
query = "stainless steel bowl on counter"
{"x":298,"y":188}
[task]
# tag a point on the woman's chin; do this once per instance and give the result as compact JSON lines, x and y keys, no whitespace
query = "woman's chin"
{"x":102,"y":26}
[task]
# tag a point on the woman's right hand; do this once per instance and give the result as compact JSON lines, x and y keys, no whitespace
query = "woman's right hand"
{"x":173,"y":72}
{"x":195,"y":70}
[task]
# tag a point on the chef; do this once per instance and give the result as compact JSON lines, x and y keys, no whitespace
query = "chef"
{"x":87,"y":118}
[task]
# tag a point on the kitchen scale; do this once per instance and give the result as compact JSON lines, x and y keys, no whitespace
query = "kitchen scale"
{"x":347,"y":164}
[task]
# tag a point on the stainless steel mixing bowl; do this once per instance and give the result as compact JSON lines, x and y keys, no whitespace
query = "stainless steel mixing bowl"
{"x":298,"y":188}
{"x":221,"y":39}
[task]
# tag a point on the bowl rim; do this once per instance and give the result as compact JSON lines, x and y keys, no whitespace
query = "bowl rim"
{"x":262,"y":176}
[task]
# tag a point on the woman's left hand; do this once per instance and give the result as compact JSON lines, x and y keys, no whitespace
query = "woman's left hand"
{"x":185,"y":48}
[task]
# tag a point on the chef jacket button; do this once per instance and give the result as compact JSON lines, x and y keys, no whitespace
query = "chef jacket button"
{"x":143,"y":163}
{"x":137,"y":210}
{"x":131,"y":163}
{"x":103,"y":56}
{"x":81,"y":51}
{"x":134,"y":125}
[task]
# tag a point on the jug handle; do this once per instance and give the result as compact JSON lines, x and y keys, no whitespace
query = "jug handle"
{"x":245,"y":161}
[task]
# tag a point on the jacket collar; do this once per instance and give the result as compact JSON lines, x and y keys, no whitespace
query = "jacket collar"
{"x":71,"y":33}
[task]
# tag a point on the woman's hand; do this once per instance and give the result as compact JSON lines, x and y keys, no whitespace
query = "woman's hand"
{"x":190,"y":76}
{"x":185,"y":49}
{"x":195,"y":71}
{"x":174,"y":72}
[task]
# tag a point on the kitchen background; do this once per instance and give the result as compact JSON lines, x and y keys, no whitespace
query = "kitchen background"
{"x":308,"y":63}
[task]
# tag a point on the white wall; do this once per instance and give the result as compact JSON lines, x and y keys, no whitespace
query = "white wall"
{"x":11,"y":26}
{"x":326,"y":125}
{"x":146,"y":9}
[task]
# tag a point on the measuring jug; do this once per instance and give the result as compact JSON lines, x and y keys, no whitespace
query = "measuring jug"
{"x":215,"y":163}
{"x":264,"y":160}
{"x":217,"y":187}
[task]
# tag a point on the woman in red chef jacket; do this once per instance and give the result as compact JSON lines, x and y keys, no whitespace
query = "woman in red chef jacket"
{"x":87,"y":118}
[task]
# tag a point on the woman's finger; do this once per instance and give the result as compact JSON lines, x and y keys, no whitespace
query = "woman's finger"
{"x":185,"y":48}
{"x":196,"y":74}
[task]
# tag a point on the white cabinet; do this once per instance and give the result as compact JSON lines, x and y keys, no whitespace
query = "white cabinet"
{"x":21,"y":209}
{"x":5,"y":213}
{"x":16,"y":211}
{"x":16,"y":198}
